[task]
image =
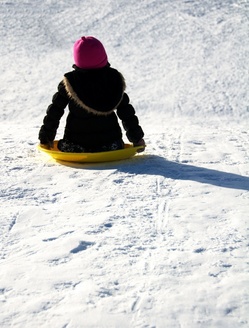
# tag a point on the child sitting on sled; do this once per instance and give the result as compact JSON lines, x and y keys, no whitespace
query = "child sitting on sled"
{"x":96,"y":98}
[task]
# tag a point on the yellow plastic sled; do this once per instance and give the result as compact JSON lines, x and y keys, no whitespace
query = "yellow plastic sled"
{"x":107,"y":156}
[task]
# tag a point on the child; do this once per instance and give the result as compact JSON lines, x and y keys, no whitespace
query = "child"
{"x":92,"y":91}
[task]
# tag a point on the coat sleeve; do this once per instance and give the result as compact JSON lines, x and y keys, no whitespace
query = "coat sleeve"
{"x":126,"y":113}
{"x":54,"y":113}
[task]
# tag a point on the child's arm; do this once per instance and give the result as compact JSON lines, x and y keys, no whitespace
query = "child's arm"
{"x":53,"y":115}
{"x":126,"y":113}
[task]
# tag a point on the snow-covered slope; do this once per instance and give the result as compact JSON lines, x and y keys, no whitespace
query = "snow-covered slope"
{"x":160,"y":240}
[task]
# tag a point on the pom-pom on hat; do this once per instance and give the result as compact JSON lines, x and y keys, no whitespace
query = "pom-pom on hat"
{"x":89,"y":53}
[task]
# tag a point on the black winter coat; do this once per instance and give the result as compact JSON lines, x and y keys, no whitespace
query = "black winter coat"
{"x":92,"y":97}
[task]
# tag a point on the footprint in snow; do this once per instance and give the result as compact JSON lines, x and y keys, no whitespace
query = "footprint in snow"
{"x":102,"y":228}
{"x":200,"y":250}
{"x":83,"y":245}
{"x":55,"y":238}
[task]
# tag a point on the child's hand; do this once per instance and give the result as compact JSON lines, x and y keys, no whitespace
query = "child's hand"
{"x":51,"y":144}
{"x":46,"y":138}
{"x":140,"y":143}
{"x":48,"y":144}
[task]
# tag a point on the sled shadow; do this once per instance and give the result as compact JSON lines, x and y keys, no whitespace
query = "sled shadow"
{"x":156,"y":165}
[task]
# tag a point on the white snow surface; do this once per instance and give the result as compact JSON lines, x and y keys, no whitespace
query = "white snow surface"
{"x":159,"y":240}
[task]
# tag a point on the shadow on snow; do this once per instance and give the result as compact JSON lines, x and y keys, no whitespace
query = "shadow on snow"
{"x":156,"y":165}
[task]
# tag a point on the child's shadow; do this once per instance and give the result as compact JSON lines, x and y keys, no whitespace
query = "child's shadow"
{"x":156,"y":165}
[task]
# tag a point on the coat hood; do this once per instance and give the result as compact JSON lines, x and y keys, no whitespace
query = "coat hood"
{"x":98,"y":91}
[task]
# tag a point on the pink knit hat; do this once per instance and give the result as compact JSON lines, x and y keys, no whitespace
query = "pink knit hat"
{"x":89,"y":53}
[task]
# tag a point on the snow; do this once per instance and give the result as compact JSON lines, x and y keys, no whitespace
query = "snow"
{"x":160,"y":240}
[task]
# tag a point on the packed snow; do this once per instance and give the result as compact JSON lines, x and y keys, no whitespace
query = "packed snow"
{"x":156,"y":241}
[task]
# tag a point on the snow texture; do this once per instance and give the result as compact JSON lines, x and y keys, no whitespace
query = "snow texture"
{"x":160,"y":240}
